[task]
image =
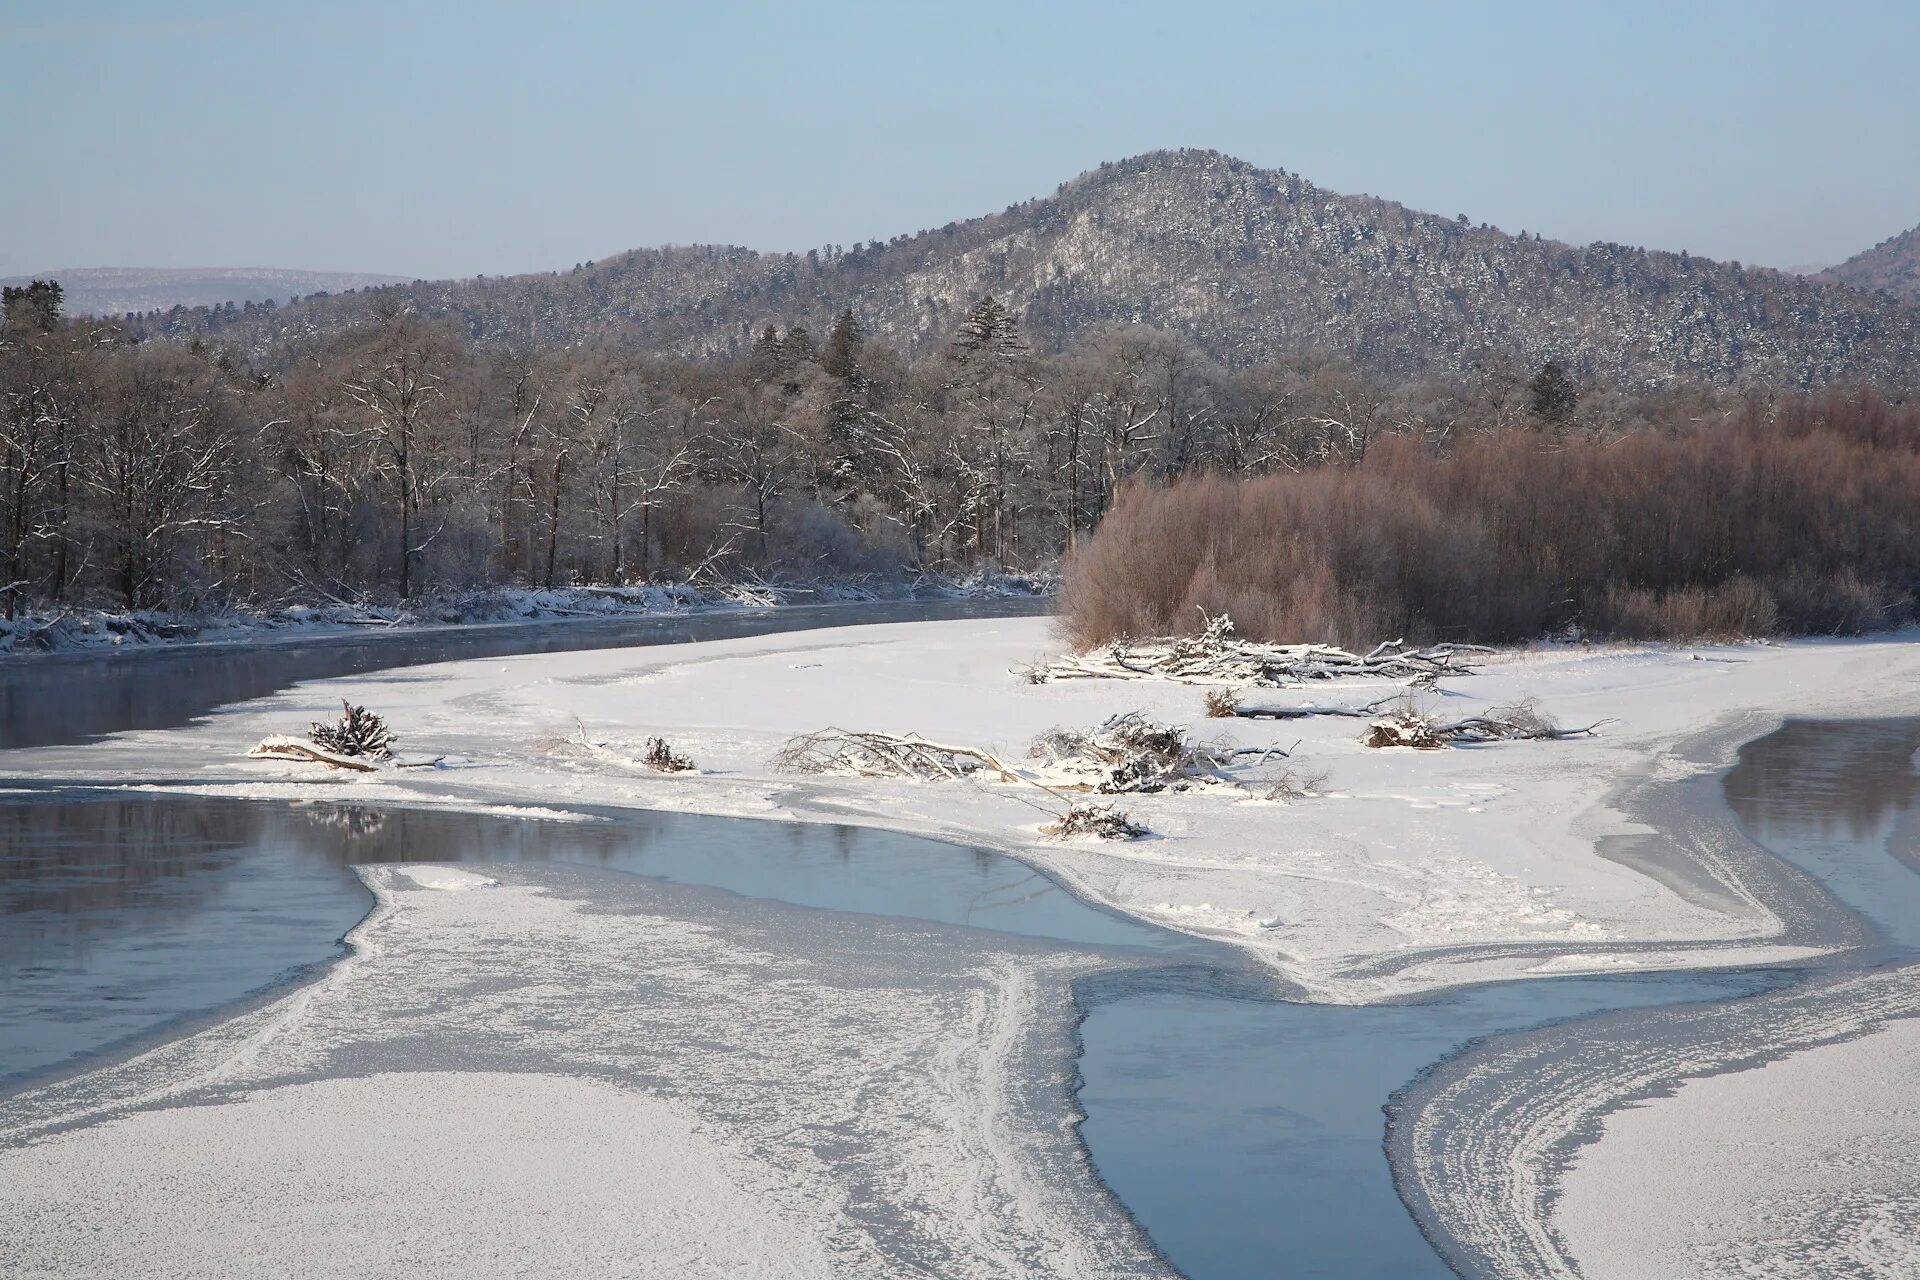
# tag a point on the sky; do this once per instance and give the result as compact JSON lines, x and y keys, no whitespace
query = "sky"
{"x":448,"y":139}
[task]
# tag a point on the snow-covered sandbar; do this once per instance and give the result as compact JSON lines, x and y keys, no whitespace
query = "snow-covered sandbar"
{"x":1415,"y":870}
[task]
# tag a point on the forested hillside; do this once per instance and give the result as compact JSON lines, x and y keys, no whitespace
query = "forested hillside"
{"x":1893,"y":265}
{"x":1248,"y":265}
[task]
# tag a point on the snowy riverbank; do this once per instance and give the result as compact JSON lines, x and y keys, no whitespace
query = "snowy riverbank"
{"x":105,"y":630}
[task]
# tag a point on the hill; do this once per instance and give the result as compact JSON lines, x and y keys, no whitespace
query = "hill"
{"x":116,"y":291}
{"x":1249,"y":263}
{"x":1893,"y":266}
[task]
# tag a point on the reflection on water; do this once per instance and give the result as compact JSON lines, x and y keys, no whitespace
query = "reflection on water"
{"x":1826,"y":778}
{"x":1835,"y":798}
{"x":119,"y":914}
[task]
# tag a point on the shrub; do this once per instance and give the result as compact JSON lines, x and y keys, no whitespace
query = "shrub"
{"x":1221,"y":703}
{"x":1804,"y":523}
{"x":662,"y":758}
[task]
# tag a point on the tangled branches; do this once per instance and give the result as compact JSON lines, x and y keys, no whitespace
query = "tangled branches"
{"x":358,"y":732}
{"x":1130,"y":753}
{"x":657,"y":756}
{"x":1216,"y":655}
{"x":1101,"y":821}
{"x":885,"y":755}
{"x":1515,"y":722}
{"x":662,"y":758}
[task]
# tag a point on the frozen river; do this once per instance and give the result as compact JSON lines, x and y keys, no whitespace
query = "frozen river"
{"x":1246,"y":1135}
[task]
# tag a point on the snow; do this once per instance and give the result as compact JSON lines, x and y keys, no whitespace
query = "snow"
{"x":400,"y":1174}
{"x":1483,"y":1141}
{"x":1802,"y":1168}
{"x":1411,"y":872}
{"x":579,"y":1072}
{"x":1416,"y":870}
{"x":449,"y":880}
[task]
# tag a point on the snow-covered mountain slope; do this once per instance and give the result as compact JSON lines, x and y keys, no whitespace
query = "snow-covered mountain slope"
{"x":1249,"y":263}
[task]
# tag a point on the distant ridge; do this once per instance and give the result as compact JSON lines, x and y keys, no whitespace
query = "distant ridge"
{"x":115,"y":291}
{"x":1893,"y":266}
{"x":1248,"y":263}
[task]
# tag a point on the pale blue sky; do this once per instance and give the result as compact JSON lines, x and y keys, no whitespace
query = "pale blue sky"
{"x":452,"y":138}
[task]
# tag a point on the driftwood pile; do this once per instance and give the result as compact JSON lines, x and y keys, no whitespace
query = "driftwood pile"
{"x":359,"y":740}
{"x":1127,"y":755}
{"x":1515,"y":722}
{"x":1131,"y":754}
{"x":1101,"y":821}
{"x":358,"y":732}
{"x":885,"y":755}
{"x":662,"y":758}
{"x":1217,"y":656}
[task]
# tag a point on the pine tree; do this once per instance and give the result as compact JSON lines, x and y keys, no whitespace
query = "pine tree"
{"x":1552,"y":393}
{"x":842,"y":356}
{"x":991,"y":331}
{"x":764,"y":365}
{"x":797,"y":348}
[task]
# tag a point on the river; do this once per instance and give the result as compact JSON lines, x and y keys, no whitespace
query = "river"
{"x":1244,"y":1133}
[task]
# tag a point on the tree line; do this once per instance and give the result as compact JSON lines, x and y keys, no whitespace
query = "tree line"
{"x":394,"y":458}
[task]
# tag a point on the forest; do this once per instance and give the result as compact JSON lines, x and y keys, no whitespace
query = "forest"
{"x":395,"y":459}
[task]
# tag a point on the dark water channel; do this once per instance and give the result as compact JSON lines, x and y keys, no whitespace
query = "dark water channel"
{"x":1244,"y":1133}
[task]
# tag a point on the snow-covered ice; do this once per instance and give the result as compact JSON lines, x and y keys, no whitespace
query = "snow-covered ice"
{"x":1807,"y":1167}
{"x":402,"y":1173}
{"x":1414,"y":871}
{"x":561,"y":1071}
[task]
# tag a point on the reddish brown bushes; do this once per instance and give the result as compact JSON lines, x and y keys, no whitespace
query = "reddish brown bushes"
{"x":1802,"y":519}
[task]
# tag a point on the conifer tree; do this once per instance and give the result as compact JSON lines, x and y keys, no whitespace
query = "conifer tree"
{"x":764,"y":365}
{"x":842,"y":356}
{"x":36,"y":304}
{"x":797,"y":348}
{"x":1552,"y":393}
{"x":990,"y":330}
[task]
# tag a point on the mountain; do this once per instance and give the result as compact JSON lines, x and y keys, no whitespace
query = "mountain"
{"x":115,"y":291}
{"x":1249,"y":263}
{"x":1893,"y":265}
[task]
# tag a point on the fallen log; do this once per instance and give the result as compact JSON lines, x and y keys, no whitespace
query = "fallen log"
{"x":1515,"y":722}
{"x":302,"y":751}
{"x":1307,"y":710}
